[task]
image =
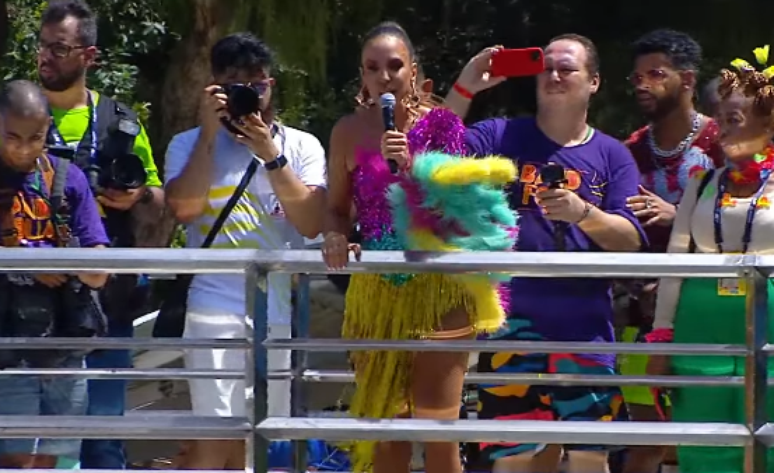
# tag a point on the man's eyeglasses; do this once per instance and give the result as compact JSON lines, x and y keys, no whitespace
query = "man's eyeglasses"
{"x":59,"y":50}
{"x":654,"y":76}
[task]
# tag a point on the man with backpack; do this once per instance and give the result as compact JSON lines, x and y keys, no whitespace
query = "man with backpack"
{"x":44,"y":202}
{"x":105,"y":139}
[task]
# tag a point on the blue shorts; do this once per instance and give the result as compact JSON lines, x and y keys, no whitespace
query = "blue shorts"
{"x":44,"y":396}
{"x":530,"y":402}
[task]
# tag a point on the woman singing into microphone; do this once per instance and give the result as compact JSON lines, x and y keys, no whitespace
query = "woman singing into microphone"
{"x":419,"y":207}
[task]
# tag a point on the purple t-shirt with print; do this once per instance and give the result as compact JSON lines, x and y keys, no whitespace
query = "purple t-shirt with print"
{"x":85,"y":221}
{"x":601,"y":171}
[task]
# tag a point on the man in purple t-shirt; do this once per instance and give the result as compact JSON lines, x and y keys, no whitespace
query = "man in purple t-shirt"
{"x":600,"y":174}
{"x":35,"y":304}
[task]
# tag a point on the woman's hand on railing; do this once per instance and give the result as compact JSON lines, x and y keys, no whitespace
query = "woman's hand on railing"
{"x":336,"y":249}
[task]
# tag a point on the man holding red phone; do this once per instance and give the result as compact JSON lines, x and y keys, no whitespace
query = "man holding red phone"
{"x":585,"y":211}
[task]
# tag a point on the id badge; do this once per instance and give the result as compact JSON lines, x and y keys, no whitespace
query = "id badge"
{"x":732,"y":287}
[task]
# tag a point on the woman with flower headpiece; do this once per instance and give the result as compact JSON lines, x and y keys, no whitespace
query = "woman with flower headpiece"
{"x":723,"y":211}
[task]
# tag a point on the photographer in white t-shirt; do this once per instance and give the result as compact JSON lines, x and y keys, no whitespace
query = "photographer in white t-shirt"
{"x":283,"y":203}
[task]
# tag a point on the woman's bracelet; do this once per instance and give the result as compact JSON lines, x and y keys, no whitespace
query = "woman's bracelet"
{"x":462,"y":91}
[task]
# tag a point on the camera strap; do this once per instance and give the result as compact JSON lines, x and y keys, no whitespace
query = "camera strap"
{"x":59,"y":217}
{"x":87,"y":146}
{"x":232,"y":201}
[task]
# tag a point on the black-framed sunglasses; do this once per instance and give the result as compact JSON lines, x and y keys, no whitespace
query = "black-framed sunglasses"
{"x":59,"y":50}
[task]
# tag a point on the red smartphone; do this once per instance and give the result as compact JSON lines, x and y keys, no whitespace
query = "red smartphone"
{"x":517,"y":62}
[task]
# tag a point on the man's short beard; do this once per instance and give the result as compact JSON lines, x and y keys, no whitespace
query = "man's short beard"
{"x":664,"y":107}
{"x":62,"y":82}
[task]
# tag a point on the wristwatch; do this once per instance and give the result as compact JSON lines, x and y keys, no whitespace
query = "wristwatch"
{"x":278,"y":163}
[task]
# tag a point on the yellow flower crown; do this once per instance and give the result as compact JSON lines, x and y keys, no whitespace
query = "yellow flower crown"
{"x":761,"y":57}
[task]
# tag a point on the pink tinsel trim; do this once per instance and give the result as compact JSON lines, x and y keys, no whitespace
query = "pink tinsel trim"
{"x":660,"y":335}
{"x":439,"y":130}
{"x":504,"y":293}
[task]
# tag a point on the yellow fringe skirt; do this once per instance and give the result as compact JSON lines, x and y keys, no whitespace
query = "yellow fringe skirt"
{"x":379,"y":309}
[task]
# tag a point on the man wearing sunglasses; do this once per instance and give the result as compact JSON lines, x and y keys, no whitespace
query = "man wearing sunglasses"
{"x":98,"y":134}
{"x":676,"y":143}
{"x":275,"y":175}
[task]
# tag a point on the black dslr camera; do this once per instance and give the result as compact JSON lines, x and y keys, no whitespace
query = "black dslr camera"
{"x":116,"y":167}
{"x":242,"y":100}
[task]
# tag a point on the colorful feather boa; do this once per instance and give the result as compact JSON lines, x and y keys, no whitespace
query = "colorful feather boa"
{"x":446,"y":202}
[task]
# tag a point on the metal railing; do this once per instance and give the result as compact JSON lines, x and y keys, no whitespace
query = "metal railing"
{"x":756,"y":435}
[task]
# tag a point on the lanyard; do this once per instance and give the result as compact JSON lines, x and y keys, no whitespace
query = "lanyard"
{"x":717,"y":218}
{"x":55,"y":137}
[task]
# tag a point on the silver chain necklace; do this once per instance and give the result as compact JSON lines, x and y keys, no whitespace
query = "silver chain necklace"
{"x":695,"y":124}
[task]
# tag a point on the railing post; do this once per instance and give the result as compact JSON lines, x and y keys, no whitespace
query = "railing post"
{"x":300,"y":363}
{"x":756,"y":364}
{"x":256,"y":366}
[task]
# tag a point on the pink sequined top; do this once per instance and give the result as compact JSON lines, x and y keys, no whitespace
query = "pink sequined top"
{"x":438,"y":130}
{"x":371,"y":181}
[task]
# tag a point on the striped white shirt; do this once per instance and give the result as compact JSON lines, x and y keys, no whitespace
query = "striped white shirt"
{"x":257,"y":221}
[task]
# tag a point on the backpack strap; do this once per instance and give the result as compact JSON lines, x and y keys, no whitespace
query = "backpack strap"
{"x":59,"y":213}
{"x":47,"y":169}
{"x":705,"y":180}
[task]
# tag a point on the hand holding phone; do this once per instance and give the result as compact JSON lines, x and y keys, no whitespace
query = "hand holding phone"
{"x":517,"y":62}
{"x":476,"y":75}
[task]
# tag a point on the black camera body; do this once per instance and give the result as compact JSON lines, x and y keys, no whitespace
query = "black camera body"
{"x":242,"y":100}
{"x":116,"y":166}
{"x":553,"y":176}
{"x":123,"y":173}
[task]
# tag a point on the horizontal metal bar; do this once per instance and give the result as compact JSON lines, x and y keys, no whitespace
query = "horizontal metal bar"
{"x":423,"y":430}
{"x":340,"y":345}
{"x":155,"y":470}
{"x":126,"y":260}
{"x":167,"y":260}
{"x":32,"y":343}
{"x":152,"y":471}
{"x":766,"y":435}
{"x":131,"y":374}
{"x":130,"y":428}
{"x":342,"y":376}
{"x":526,"y":264}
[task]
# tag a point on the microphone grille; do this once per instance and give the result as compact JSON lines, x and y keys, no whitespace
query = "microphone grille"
{"x":387,"y":100}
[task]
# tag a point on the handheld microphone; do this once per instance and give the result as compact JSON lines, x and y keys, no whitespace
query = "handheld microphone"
{"x":552,"y":175}
{"x":387,"y":101}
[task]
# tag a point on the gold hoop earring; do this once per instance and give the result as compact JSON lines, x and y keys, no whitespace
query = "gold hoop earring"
{"x":411,"y":102}
{"x":363,"y":98}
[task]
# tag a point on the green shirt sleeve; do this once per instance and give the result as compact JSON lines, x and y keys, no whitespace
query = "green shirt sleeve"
{"x":142,"y":149}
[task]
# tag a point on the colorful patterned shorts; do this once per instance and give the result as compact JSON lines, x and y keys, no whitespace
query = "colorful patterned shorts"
{"x":525,"y":402}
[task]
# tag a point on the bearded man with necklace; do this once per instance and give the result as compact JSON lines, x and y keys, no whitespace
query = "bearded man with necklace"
{"x":677,"y":143}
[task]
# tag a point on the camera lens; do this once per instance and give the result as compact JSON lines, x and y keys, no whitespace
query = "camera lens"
{"x":243,"y":100}
{"x":127,"y":172}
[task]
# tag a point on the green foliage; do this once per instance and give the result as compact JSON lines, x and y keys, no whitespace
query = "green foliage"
{"x":128,"y":30}
{"x":19,"y":62}
{"x":318,"y":45}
